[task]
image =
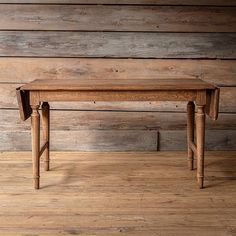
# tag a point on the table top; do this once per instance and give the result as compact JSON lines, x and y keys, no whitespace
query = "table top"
{"x":115,"y":84}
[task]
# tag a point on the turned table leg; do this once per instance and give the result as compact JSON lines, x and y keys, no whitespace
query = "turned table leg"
{"x":200,"y":136}
{"x":190,"y":133}
{"x":46,"y":132}
{"x":35,"y":130}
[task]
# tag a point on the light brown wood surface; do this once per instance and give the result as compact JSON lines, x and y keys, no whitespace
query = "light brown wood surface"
{"x":227,"y":104}
{"x":35,"y":140}
{"x":118,"y":18}
{"x":200,"y":143}
{"x":118,"y":194}
{"x":204,"y":95}
{"x":117,"y":85}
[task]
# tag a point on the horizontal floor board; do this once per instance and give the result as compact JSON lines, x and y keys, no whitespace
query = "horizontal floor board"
{"x":103,"y":120}
{"x":161,"y":186}
{"x":129,"y":231}
{"x":118,"y":18}
{"x":117,"y":44}
{"x":227,"y":102}
{"x":168,"y":220}
{"x":119,"y":211}
{"x":23,"y":70}
{"x":105,"y":167}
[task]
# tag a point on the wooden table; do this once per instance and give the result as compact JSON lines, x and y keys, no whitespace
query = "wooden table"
{"x":193,"y":91}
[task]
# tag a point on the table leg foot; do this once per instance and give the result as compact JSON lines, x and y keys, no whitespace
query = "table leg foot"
{"x":36,"y":182}
{"x":46,"y":165}
{"x":191,"y":164}
{"x":200,"y":181}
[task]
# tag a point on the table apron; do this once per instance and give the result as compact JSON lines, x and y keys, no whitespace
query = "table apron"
{"x":183,"y":95}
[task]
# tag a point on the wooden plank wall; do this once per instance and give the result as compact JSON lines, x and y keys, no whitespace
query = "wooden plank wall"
{"x":120,"y":39}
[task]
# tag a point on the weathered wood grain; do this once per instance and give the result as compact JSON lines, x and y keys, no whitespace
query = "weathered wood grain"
{"x":102,"y":120}
{"x":118,"y":18}
{"x":227,"y":102}
{"x":93,"y":140}
{"x":8,"y":100}
{"x":156,"y":44}
{"x":115,"y":221}
{"x":117,"y":44}
{"x":24,"y":70}
{"x":114,"y":85}
{"x":215,"y":140}
{"x":133,"y":231}
{"x":128,"y":2}
{"x":118,"y":140}
{"x":133,"y":194}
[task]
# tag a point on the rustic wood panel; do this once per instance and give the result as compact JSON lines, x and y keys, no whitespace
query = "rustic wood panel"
{"x":117,"y":44}
{"x":93,"y":140}
{"x":118,"y":18}
{"x":128,"y":2}
{"x":118,"y":140}
{"x":215,"y":140}
{"x":99,"y":120}
{"x":227,"y":102}
{"x":23,"y":70}
{"x":112,"y":129}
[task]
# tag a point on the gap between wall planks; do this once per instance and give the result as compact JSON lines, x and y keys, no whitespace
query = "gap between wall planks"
{"x":129,"y":2}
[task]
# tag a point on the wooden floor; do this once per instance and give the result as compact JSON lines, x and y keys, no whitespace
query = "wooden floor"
{"x":118,"y":194}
